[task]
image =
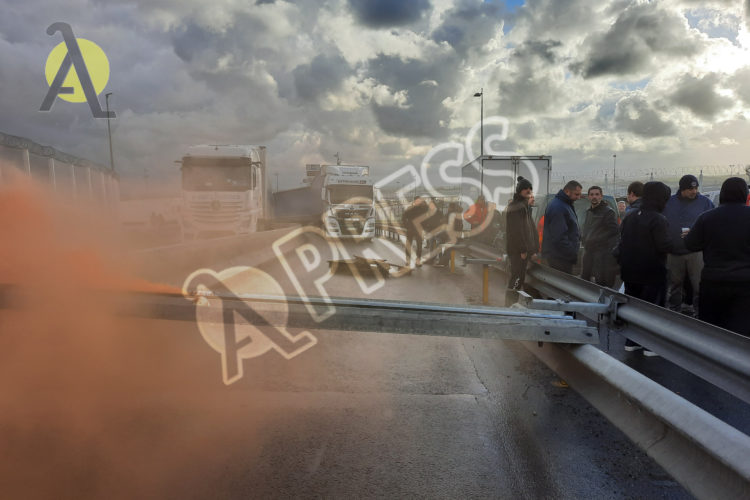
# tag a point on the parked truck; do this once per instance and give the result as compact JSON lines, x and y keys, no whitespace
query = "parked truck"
{"x":339,"y":198}
{"x":224,"y":190}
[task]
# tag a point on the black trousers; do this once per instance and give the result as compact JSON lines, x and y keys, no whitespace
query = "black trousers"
{"x":409,"y":238}
{"x":656,"y":294}
{"x":725,"y":304}
{"x":599,"y":266}
{"x":517,"y":271}
{"x":561,"y":265}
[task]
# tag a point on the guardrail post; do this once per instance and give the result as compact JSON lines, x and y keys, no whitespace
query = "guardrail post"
{"x":485,"y":284}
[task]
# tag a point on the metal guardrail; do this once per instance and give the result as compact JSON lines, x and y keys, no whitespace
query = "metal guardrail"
{"x":712,"y":353}
{"x":707,"y":456}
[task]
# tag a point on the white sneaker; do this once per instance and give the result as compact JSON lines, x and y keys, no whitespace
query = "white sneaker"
{"x":650,"y":354}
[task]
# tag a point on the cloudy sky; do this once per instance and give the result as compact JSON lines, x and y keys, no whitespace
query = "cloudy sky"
{"x":660,"y":83}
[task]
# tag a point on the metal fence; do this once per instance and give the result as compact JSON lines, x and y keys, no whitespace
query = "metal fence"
{"x":66,"y":174}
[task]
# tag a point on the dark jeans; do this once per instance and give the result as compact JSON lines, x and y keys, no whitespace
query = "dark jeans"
{"x":560,"y":265}
{"x":656,"y":294}
{"x":517,"y":271}
{"x":409,"y":238}
{"x":599,"y":266}
{"x":726,"y":305}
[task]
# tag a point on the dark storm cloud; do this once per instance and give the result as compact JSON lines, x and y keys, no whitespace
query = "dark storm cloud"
{"x":699,"y":96}
{"x":323,"y":74}
{"x":470,"y":24}
{"x":631,"y":44}
{"x":634,"y":114}
{"x":529,"y":88}
{"x":425,"y":112}
{"x":387,"y":13}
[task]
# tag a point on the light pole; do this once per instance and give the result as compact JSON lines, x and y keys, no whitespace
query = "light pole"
{"x":277,"y":181}
{"x":614,"y":175}
{"x":109,"y":133}
{"x":480,"y":94}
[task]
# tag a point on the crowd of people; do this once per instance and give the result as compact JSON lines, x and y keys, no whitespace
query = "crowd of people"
{"x":672,"y":250}
{"x":664,"y":244}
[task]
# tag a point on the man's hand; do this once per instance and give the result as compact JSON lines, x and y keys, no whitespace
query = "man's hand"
{"x":523,"y":255}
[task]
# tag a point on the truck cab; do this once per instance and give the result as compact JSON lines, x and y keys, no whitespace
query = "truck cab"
{"x":347,"y":193}
{"x":222,"y":190}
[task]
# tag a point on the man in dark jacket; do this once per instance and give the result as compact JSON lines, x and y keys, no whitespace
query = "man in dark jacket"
{"x":562,"y":237}
{"x":682,"y":211}
{"x":642,"y":251}
{"x":600,"y":236}
{"x":723,"y":235}
{"x":521,"y":239}
{"x":635,"y":193}
{"x":412,"y":220}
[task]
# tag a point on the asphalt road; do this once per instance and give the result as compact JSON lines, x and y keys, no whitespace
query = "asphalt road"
{"x":356,"y":415}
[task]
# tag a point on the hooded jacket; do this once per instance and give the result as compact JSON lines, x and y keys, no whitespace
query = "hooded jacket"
{"x":682,"y":212}
{"x":521,"y":236}
{"x":562,"y":236}
{"x":644,"y":239}
{"x":723,"y":234}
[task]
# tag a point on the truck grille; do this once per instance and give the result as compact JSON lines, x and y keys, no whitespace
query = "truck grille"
{"x":351,"y":228}
{"x":216,"y":212}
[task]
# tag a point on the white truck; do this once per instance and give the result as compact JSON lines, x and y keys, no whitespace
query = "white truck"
{"x":338,"y":197}
{"x":224,"y":190}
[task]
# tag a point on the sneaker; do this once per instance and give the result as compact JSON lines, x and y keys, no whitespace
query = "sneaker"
{"x":631,"y":346}
{"x":419,"y":262}
{"x":648,"y":353}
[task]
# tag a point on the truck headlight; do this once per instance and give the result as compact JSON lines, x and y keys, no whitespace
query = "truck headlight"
{"x":332,"y":222}
{"x":370,"y":223}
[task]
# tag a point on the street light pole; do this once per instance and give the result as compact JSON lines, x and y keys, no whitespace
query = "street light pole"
{"x":277,"y":181}
{"x":614,"y":175}
{"x":480,"y":94}
{"x":109,"y":133}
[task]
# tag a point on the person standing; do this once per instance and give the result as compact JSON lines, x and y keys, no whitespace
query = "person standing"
{"x":642,"y":251}
{"x":723,"y":235}
{"x":682,"y":210}
{"x":562,"y":236}
{"x":521,"y":239}
{"x":600,"y":236}
{"x":412,"y":221}
{"x":476,"y":213}
{"x":635,"y":193}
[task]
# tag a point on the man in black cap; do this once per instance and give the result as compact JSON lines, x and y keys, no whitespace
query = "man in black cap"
{"x":521,"y":238}
{"x":682,"y":211}
{"x":722,"y":235}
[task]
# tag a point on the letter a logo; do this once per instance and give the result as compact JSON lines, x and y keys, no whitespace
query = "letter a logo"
{"x":67,"y":71}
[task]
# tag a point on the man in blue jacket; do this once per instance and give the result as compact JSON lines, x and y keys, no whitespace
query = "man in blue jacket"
{"x":682,"y":211}
{"x":562,"y":236}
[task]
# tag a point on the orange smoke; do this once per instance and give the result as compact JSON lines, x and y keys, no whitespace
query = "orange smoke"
{"x":93,"y":405}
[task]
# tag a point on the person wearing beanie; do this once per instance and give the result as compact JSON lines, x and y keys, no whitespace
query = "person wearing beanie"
{"x":643,"y":248}
{"x":521,"y":240}
{"x":723,"y":235}
{"x":682,"y":211}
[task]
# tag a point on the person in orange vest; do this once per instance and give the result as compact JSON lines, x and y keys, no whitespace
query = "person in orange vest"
{"x":476,"y":213}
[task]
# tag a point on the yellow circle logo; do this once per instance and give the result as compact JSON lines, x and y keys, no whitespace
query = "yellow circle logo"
{"x":97,"y":65}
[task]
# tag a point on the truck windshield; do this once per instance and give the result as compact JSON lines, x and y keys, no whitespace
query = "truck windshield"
{"x":215,"y":175}
{"x":350,"y":194}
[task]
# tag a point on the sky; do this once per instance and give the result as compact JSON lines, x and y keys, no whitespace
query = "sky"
{"x":661,"y":84}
